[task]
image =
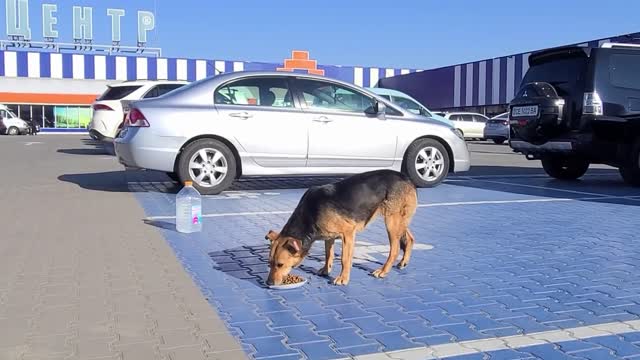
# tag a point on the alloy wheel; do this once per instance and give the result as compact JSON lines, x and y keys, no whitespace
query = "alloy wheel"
{"x":208,"y":167}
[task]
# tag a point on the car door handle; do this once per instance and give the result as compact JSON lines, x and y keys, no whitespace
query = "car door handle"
{"x":322,"y":119}
{"x":242,"y":115}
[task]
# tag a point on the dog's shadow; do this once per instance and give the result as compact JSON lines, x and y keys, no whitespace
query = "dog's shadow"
{"x":251,"y":264}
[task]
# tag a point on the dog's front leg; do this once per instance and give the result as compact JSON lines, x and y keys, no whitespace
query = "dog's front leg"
{"x":348,"y":243}
{"x":328,"y":256}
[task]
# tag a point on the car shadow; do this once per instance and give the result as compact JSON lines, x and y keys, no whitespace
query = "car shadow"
{"x":86,"y":151}
{"x":123,"y":181}
{"x":598,"y":185}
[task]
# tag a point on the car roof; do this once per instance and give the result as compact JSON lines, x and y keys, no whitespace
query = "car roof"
{"x":147,"y":82}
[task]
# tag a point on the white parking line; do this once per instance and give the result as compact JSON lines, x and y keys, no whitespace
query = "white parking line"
{"x":524,"y":176}
{"x":509,"y":342}
{"x":541,"y":187}
{"x":444,"y":204}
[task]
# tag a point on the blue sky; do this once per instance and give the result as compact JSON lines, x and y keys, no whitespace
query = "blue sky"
{"x":401,"y":33}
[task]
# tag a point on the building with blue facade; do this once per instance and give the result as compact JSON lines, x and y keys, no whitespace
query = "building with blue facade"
{"x":57,"y":88}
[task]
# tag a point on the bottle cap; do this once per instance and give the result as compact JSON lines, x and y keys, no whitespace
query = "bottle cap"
{"x":188,"y":183}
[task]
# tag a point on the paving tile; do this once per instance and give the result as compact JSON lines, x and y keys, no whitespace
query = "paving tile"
{"x":393,"y":314}
{"x":419,"y":328}
{"x":509,"y":354}
{"x":271,"y":347}
{"x":344,"y":338}
{"x":285,"y":318}
{"x":371,"y":325}
{"x":393,"y":340}
{"x":363,"y":350}
{"x":255,"y":329}
{"x":462,"y":332}
{"x":617,"y":345}
{"x":323,"y":323}
{"x":597,"y":354}
{"x":466,"y":357}
{"x":301,"y":334}
{"x":318,"y":350}
{"x":547,"y":351}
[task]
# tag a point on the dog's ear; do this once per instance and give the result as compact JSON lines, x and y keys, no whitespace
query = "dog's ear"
{"x":295,"y":245}
{"x":271,"y":236}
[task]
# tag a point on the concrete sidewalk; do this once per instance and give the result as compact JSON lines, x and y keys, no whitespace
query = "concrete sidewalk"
{"x":81,"y":276}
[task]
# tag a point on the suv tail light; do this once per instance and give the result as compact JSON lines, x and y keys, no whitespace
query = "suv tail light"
{"x":97,"y":107}
{"x":592,"y":105}
{"x":135,"y":118}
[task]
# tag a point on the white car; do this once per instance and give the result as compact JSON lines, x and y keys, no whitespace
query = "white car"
{"x":242,"y":124}
{"x":10,"y":124}
{"x":471,"y":124}
{"x":407,"y":102}
{"x":109,"y":111}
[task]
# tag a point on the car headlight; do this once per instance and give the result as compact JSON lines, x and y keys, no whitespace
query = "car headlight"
{"x":458,"y":133}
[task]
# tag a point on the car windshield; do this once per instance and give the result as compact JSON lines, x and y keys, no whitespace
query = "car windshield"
{"x":411,"y":106}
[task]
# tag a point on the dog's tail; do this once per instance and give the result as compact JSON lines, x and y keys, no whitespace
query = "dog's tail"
{"x":403,"y":241}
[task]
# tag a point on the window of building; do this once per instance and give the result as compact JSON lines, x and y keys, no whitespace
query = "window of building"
{"x":49,"y":116}
{"x":36,"y":115}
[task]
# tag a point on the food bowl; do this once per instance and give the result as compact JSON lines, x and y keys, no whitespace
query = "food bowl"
{"x":288,"y":284}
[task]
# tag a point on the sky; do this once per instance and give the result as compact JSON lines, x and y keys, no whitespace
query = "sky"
{"x":417,"y":34}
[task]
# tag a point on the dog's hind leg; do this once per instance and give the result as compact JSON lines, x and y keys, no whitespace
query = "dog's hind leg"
{"x":328,"y":256}
{"x":406,"y":244}
{"x":395,"y":230}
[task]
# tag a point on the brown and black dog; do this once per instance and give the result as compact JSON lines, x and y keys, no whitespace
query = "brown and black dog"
{"x":339,"y":211}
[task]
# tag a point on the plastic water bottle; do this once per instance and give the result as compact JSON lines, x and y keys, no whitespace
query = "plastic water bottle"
{"x":188,"y":209}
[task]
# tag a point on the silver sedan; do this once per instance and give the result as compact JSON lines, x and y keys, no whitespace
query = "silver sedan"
{"x":218,"y":129}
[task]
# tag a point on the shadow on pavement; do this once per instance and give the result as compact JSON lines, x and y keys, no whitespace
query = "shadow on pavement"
{"x":599,"y":185}
{"x":165,"y":225}
{"x":85,"y":151}
{"x":123,"y":181}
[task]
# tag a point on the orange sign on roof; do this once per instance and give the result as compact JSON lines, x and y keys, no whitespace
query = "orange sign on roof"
{"x":300,"y":61}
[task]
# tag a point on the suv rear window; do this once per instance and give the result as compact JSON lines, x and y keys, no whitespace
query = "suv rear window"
{"x":565,"y":74}
{"x":118,"y":92}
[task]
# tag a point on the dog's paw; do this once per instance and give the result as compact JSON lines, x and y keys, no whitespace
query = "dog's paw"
{"x":341,"y":280}
{"x":324,"y":271}
{"x":402,"y":264}
{"x":380,"y":273}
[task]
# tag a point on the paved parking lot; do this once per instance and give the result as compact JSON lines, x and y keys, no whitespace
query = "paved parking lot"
{"x":508,"y":264}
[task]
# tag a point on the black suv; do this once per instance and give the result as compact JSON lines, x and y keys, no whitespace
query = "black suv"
{"x":578,"y":106}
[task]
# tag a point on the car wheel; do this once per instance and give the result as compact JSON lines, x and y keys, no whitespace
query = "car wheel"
{"x":630,"y":172}
{"x":426,"y":163}
{"x":13,"y":131}
{"x":499,"y":141}
{"x":210,"y":164}
{"x":565,"y":168}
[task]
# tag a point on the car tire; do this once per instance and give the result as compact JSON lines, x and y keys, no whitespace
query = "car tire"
{"x":218,"y":155}
{"x":426,"y":163}
{"x":630,"y":171}
{"x":565,"y":168}
{"x":499,"y":141}
{"x":13,"y":131}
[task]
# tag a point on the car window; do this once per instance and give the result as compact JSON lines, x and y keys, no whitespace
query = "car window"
{"x":326,"y":95}
{"x":624,"y":71}
{"x":118,"y":92}
{"x":260,"y":91}
{"x":480,"y":118}
{"x":385,"y":97}
{"x":468,"y":118}
{"x":455,"y":117}
{"x":151,"y":93}
{"x":165,"y":88}
{"x":411,"y":106}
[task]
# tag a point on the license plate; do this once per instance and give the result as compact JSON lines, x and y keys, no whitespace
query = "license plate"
{"x":524,"y":111}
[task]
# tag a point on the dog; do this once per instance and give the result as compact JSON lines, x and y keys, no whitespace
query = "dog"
{"x":339,"y":211}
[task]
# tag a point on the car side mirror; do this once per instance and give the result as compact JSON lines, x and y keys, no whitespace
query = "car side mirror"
{"x":377,"y":109}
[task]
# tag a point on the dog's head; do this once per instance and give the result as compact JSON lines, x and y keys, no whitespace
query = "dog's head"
{"x":286,"y":253}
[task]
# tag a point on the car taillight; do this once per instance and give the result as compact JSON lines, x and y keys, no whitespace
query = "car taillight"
{"x":505,"y":122}
{"x":97,"y":107}
{"x":592,"y":104}
{"x":135,"y":118}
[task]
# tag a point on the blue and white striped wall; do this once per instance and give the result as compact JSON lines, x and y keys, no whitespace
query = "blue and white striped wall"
{"x":481,"y":83}
{"x":33,"y":64}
